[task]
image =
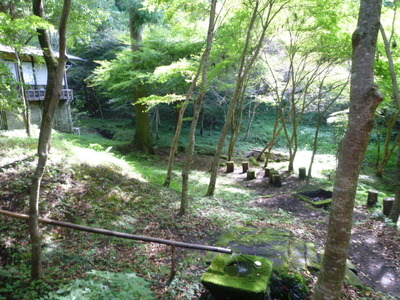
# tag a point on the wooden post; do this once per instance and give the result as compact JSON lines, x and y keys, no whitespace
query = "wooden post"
{"x":245,"y":166}
{"x":387,"y":205}
{"x":302,"y":173}
{"x":277,"y":180}
{"x":271,"y":176}
{"x":251,"y":174}
{"x":230,"y":167}
{"x":372,"y":198}
{"x":267,"y":172}
{"x":173,"y":263}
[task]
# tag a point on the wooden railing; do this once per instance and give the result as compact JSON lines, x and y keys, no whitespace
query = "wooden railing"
{"x":38,"y":95}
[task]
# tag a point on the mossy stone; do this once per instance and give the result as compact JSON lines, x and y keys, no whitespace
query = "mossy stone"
{"x":271,"y":243}
{"x":237,"y":277}
{"x":311,"y":258}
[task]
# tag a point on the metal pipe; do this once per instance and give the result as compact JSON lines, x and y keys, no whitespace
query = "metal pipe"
{"x":119,"y":234}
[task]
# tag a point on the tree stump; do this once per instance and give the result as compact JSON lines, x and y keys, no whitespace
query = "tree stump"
{"x":251,"y":174}
{"x":271,"y":175}
{"x":267,"y":172}
{"x":372,"y":198}
{"x":302,"y":173}
{"x":230,"y":167}
{"x":387,"y":205}
{"x":277,"y":180}
{"x":245,"y":166}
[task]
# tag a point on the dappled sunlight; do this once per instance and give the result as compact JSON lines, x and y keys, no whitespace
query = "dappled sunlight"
{"x":322,"y":163}
{"x":21,"y":133}
{"x":199,"y":181}
{"x":94,"y":158}
{"x":368,"y":179}
{"x":233,"y":189}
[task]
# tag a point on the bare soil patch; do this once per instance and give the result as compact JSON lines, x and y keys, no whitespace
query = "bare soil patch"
{"x":375,"y":245}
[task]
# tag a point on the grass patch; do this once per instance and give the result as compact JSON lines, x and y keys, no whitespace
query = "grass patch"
{"x":90,"y":181}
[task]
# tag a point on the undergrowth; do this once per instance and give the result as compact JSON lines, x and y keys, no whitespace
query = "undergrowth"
{"x":97,"y":181}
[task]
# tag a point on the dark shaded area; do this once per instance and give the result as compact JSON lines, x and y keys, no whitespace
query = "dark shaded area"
{"x":317,"y":195}
{"x":287,"y":286}
{"x":106,"y":133}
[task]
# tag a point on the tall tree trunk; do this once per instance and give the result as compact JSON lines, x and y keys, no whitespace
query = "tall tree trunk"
{"x":157,"y":123}
{"x":364,"y":99}
{"x":320,"y":117}
{"x":247,"y":62}
{"x":175,"y":140}
{"x":174,"y":145}
{"x":142,"y":140}
{"x":395,"y":212}
{"x":252,"y":114}
{"x":26,"y":110}
{"x":236,"y":125}
{"x":196,"y":113}
{"x":55,"y":69}
{"x":202,"y":121}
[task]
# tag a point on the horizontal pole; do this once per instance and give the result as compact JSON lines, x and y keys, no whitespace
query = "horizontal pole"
{"x":119,"y":234}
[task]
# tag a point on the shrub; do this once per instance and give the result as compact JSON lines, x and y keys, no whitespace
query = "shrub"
{"x":105,"y":285}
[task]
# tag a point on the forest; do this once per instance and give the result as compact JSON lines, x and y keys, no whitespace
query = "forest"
{"x":206,"y":149}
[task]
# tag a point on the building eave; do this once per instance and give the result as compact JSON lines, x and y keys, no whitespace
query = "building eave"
{"x":29,"y":52}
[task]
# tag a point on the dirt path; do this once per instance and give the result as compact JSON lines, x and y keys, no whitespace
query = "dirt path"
{"x":375,"y":246}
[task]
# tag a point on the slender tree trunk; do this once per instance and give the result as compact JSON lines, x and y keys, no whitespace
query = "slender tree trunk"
{"x":315,"y":144}
{"x":26,"y":110}
{"x":252,"y":114}
{"x":388,"y":151}
{"x":157,"y":123}
{"x":56,"y":69}
{"x":174,"y":145}
{"x":378,"y":150}
{"x":320,"y":118}
{"x":236,"y":124}
{"x":247,"y":62}
{"x":197,"y":108}
{"x":364,"y":99}
{"x":395,"y":212}
{"x":235,"y":99}
{"x":202,"y":121}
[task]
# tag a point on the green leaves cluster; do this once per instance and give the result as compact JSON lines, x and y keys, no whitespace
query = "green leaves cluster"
{"x":9,"y":99}
{"x":105,"y":285}
{"x":15,"y":32}
{"x":164,"y":65}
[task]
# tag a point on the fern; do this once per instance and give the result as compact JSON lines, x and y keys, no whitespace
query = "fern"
{"x":104,"y":285}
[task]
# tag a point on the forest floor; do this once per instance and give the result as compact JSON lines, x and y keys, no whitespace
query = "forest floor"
{"x":374,"y":247}
{"x":88,"y":185}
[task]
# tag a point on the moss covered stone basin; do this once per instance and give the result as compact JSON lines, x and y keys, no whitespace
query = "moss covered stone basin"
{"x":319,"y":198}
{"x":238,"y":277}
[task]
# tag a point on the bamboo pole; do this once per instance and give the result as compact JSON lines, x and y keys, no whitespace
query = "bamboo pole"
{"x":119,"y":234}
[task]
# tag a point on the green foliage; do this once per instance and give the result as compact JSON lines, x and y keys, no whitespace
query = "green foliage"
{"x":154,"y":100}
{"x":104,"y":285}
{"x":15,"y":31}
{"x":288,"y":285}
{"x":131,"y":70}
{"x":87,"y":18}
{"x":9,"y":98}
{"x":16,"y":283}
